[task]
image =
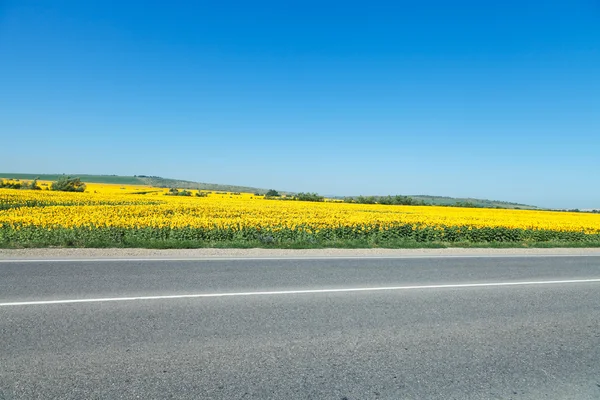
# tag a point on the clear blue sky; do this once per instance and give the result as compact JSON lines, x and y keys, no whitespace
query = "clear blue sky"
{"x":490,"y":99}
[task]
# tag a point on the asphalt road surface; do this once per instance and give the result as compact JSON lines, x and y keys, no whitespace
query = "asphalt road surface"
{"x":403,"y":328}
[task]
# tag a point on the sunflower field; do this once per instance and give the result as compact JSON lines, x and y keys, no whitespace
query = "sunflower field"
{"x":115,"y":215}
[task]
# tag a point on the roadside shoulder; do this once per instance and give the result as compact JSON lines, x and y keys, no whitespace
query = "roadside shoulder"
{"x":211,"y":253}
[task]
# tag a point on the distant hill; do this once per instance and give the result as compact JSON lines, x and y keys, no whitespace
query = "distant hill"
{"x":450,"y":201}
{"x":446,"y":201}
{"x":125,"y":180}
{"x":157,"y":181}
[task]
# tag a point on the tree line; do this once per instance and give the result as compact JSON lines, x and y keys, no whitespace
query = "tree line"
{"x":63,"y":184}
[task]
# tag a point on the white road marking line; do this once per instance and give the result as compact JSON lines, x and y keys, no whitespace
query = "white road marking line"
{"x":292,"y":258}
{"x":291,"y":292}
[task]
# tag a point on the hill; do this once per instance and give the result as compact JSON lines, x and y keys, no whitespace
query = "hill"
{"x":157,"y":181}
{"x":452,"y":201}
{"x":116,"y":179}
{"x":437,"y":201}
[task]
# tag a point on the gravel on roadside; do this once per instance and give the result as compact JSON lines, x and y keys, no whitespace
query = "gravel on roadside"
{"x":131,"y":253}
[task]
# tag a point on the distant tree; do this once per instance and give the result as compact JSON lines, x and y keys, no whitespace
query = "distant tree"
{"x":466,"y":204}
{"x":68,"y":184}
{"x":309,"y":197}
{"x":33,"y":185}
{"x":10,"y":185}
{"x":397,"y":200}
{"x":272,"y":193}
{"x":176,"y":192}
{"x":366,"y":200}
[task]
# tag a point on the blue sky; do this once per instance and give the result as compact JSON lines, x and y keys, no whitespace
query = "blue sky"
{"x":496,"y":100}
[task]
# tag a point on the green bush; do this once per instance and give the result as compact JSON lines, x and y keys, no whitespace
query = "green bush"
{"x":397,"y":200}
{"x":175,"y":192}
{"x":68,"y":184}
{"x":309,"y":197}
{"x":33,"y":185}
{"x":10,"y":185}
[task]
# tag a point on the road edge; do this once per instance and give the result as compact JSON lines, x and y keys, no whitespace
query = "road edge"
{"x":65,"y":254}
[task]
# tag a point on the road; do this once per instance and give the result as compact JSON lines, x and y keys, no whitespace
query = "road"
{"x":397,"y":328}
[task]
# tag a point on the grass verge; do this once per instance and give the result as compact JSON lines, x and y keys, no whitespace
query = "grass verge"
{"x":401,"y":237}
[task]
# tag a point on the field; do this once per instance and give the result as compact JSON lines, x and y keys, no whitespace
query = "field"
{"x":160,"y":182}
{"x":129,"y":180}
{"x":138,"y":180}
{"x":143,"y":216}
